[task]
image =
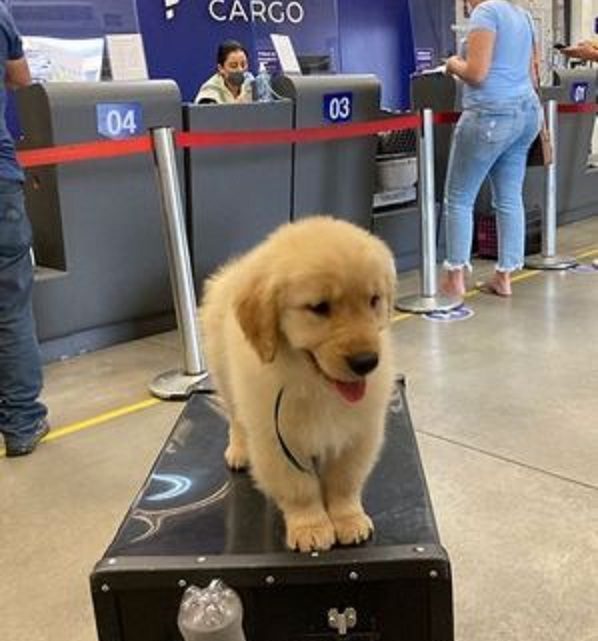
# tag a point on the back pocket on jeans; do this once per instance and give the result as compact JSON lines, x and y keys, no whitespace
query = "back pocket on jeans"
{"x":495,"y":128}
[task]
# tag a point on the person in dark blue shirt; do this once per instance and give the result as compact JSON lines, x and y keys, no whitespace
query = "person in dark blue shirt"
{"x":23,"y":420}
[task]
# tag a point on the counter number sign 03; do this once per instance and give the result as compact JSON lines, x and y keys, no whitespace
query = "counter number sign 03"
{"x":118,"y":120}
{"x":338,"y":107}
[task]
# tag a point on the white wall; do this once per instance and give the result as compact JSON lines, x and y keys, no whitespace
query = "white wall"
{"x":582,"y":19}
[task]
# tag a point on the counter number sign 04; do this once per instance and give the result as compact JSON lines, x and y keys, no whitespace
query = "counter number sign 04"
{"x":119,"y":120}
{"x":338,"y":107}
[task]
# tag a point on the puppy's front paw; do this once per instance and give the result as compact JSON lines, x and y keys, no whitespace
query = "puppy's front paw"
{"x":307,"y":534}
{"x":236,"y":456}
{"x":353,"y":528}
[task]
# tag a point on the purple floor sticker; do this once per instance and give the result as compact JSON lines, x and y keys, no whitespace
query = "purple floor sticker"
{"x":585,"y":268}
{"x":454,"y":315}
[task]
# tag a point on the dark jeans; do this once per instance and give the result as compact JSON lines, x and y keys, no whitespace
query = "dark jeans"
{"x":20,"y":366}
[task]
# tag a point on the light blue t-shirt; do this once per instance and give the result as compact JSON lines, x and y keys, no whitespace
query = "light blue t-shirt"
{"x":509,"y":74}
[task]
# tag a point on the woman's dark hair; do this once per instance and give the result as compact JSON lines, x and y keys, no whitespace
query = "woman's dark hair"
{"x":227,"y":47}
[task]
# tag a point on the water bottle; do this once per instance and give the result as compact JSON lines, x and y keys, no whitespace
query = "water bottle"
{"x":248,"y":83}
{"x":214,"y":613}
{"x":263,"y":89}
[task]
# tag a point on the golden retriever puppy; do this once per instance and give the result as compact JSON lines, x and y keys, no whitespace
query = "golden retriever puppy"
{"x":296,"y":336}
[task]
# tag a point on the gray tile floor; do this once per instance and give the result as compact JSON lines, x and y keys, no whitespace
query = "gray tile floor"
{"x":506,"y":411}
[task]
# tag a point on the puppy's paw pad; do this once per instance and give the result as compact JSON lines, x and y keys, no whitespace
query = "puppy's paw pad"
{"x":354,"y":528}
{"x":308,"y":536}
{"x":236,"y":457}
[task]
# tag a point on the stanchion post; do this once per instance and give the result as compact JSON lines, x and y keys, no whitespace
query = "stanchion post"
{"x":549,"y":258}
{"x":428,"y":300}
{"x":177,"y":384}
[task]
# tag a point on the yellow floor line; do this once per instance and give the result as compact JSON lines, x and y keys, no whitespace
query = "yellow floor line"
{"x":587,"y":254}
{"x":60,"y":432}
{"x":98,"y":420}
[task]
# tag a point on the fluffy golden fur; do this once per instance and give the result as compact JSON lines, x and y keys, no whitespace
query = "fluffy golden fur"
{"x":307,"y":311}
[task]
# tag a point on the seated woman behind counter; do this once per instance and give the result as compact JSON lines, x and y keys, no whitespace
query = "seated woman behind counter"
{"x":227,"y":85}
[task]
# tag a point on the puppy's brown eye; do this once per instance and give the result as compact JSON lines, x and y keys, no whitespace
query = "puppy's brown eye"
{"x":374,"y":301}
{"x":321,"y":309}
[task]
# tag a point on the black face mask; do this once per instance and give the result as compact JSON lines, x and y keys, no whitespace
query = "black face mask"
{"x":235,"y":78}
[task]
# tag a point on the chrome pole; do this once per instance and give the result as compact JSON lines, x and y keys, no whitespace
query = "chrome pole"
{"x":549,"y":230}
{"x":428,"y":300}
{"x":177,"y":384}
{"x":549,"y":259}
{"x":428,"y":218}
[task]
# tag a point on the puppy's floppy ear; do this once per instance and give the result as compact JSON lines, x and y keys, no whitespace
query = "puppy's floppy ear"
{"x":256,"y":308}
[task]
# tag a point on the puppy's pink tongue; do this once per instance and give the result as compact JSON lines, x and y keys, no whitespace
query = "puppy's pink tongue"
{"x":352,"y":392}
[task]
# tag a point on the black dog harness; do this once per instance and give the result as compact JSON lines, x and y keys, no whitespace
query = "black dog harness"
{"x":291,"y":458}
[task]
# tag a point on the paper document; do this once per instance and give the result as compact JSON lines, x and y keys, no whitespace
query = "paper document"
{"x":286,"y":53}
{"x":61,"y":59}
{"x":438,"y":69}
{"x":126,"y":56}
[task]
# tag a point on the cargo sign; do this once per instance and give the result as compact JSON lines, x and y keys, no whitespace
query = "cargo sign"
{"x":119,"y":120}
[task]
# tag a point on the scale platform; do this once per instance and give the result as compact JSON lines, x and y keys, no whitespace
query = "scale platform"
{"x":194,"y":520}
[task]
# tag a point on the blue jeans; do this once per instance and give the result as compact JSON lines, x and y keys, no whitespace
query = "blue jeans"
{"x":494,"y":142}
{"x":20,"y":365}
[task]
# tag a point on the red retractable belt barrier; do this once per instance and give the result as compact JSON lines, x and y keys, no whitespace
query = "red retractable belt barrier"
{"x":114,"y":148}
{"x":308,"y":134}
{"x":446,"y":118}
{"x":580,"y":107}
{"x":84,"y":151}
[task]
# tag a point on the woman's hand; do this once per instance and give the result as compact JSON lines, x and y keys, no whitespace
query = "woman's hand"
{"x":455,"y":66}
{"x":474,"y":69}
{"x":451,"y":64}
{"x":584,"y":51}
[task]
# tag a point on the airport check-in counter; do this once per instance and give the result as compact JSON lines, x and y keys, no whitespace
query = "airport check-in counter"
{"x":236,"y":195}
{"x":577,"y":174}
{"x":102,"y":273}
{"x":398,"y":220}
{"x":333,"y":177}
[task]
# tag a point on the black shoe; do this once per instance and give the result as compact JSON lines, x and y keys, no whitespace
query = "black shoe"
{"x":22,"y":449}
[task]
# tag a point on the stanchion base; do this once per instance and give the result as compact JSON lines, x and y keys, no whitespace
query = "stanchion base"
{"x":427,"y":304}
{"x":550,"y":262}
{"x":595,"y":263}
{"x":175,"y":385}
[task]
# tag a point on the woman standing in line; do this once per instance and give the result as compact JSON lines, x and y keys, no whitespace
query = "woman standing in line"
{"x":501,"y":117}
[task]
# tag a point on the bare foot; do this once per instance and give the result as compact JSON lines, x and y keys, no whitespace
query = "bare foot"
{"x":499,"y":285}
{"x":452,"y":283}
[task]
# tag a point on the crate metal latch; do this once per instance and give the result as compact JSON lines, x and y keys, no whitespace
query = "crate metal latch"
{"x":342,"y":621}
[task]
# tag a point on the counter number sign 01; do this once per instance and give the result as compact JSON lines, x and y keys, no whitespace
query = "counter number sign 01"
{"x":338,"y":107}
{"x":118,"y":120}
{"x":579,"y":92}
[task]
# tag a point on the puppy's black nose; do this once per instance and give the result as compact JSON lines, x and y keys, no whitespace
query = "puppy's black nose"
{"x":364,"y":363}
